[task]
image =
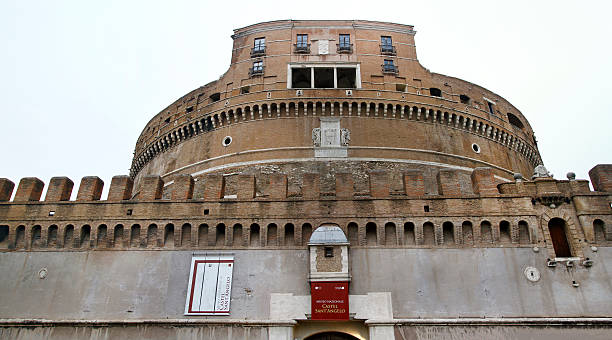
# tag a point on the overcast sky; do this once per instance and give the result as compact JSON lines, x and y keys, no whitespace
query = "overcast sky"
{"x":80,"y":79}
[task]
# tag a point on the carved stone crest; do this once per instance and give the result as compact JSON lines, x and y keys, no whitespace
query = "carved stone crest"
{"x":316,"y":137}
{"x":345,"y":136}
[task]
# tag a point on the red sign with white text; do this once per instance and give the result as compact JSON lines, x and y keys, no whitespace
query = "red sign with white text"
{"x":329,"y":300}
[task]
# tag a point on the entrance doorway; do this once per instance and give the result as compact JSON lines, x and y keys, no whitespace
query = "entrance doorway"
{"x":331,"y":336}
{"x":556,"y":226}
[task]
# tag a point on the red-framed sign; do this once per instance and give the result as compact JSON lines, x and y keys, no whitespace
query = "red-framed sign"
{"x":329,"y":300}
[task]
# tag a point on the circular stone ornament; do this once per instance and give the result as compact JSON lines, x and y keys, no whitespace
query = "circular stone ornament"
{"x":532,"y":274}
{"x":42,"y":274}
{"x":476,"y":148}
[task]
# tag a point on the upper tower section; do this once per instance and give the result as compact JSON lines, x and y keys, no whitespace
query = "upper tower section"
{"x":298,"y":92}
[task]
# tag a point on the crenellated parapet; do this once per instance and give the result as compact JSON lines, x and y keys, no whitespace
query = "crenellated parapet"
{"x":274,"y":217}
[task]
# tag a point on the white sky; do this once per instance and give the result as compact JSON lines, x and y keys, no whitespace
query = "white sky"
{"x":80,"y":79}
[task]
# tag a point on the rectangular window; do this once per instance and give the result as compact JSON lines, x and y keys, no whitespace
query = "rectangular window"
{"x":324,"y":77}
{"x":345,"y":40}
{"x":260,"y":44}
{"x":388,"y":66}
{"x":258,"y":66}
{"x":302,"y":41}
{"x":300,"y":78}
{"x":386,"y":45}
{"x":346,"y":77}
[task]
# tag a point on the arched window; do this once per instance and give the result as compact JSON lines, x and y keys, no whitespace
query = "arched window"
{"x":556,"y":227}
{"x":152,"y":236}
{"x":186,"y":235}
{"x":272,"y":235}
{"x":289,"y":235}
{"x":203,"y":235}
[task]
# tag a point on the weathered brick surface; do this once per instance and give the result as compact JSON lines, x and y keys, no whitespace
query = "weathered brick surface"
{"x":601,"y":177}
{"x":214,"y":187}
{"x":120,"y":188}
{"x":310,"y":186}
{"x":6,"y":189}
{"x":344,"y":185}
{"x":483,"y":182}
{"x":277,"y":188}
{"x":90,"y":189}
{"x":379,"y":184}
{"x":183,"y":187}
{"x":414,"y":185}
{"x":246,"y":187}
{"x":448,"y":184}
{"x":60,"y":189}
{"x":152,"y":187}
{"x":29,"y":189}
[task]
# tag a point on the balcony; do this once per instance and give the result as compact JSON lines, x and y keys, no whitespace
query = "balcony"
{"x":389,"y":69}
{"x":387,"y":50}
{"x":256,"y":71}
{"x":258,"y":51}
{"x":344,"y":48}
{"x":301,"y":48}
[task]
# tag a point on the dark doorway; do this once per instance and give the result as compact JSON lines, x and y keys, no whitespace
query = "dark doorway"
{"x":331,"y":336}
{"x":556,"y":226}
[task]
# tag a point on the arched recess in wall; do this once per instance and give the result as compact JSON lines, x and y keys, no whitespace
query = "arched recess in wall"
{"x":409,"y":234}
{"x":370,"y":234}
{"x":599,"y":229}
{"x":272,"y":235}
{"x":152,"y":236}
{"x":69,"y":236}
{"x":169,"y":236}
{"x":118,"y":236}
{"x":353,"y":234}
{"x":85,"y":238}
{"x":186,"y":235}
{"x":331,"y":336}
{"x":428,"y":233}
{"x":254,"y":237}
{"x":558,"y":236}
{"x":237,"y":238}
{"x":20,"y":237}
{"x":524,"y":237}
{"x":52,"y":236}
{"x":504,"y":232}
{"x":289,"y":239}
{"x":101,"y":236}
{"x":220,"y":235}
{"x":486,"y":235}
{"x":4,"y":236}
{"x":468,"y":233}
{"x":306,"y":233}
{"x":135,"y":236}
{"x":448,"y":233}
{"x":390,"y":234}
{"x":36,"y":236}
{"x":203,"y":235}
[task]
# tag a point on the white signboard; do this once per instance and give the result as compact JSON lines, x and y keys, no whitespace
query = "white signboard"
{"x":210,"y":285}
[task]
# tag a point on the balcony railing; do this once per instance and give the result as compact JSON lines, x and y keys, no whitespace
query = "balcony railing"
{"x":345,"y":48}
{"x":392,"y":69}
{"x":256,"y":71}
{"x":258,"y":51}
{"x":301,"y":48}
{"x":387,"y":50}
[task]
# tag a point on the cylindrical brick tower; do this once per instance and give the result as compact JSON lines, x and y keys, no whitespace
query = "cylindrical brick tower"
{"x":330,"y":97}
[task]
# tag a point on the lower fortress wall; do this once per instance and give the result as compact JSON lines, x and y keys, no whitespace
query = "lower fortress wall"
{"x":112,"y":294}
